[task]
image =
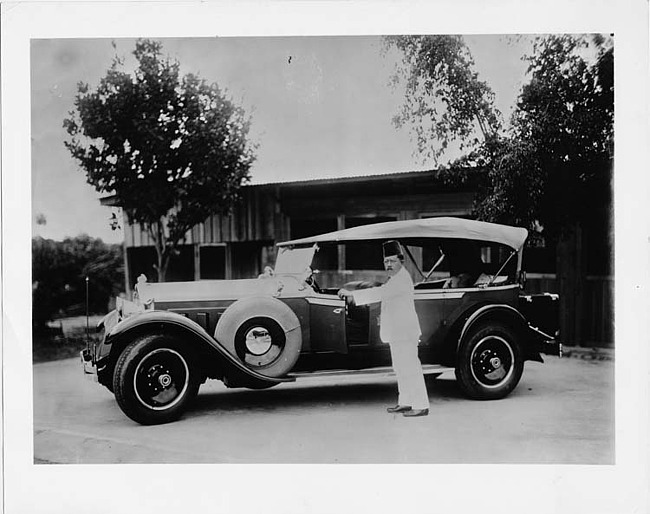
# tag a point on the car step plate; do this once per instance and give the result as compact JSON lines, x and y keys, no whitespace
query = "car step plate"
{"x":427,"y":369}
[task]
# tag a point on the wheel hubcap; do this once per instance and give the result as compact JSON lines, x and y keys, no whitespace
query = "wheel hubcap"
{"x":258,"y":341}
{"x":495,"y":362}
{"x":259,"y":347}
{"x":492,"y":361}
{"x":161,"y":378}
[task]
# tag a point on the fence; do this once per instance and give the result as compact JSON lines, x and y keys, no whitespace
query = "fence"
{"x":595,"y":326}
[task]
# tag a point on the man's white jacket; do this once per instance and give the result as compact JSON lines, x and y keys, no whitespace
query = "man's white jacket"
{"x":399,"y":321}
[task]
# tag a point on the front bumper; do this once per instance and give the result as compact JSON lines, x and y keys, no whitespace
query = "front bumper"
{"x":88,"y":364}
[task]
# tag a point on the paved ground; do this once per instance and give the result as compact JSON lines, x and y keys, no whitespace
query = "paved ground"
{"x":561,"y":412}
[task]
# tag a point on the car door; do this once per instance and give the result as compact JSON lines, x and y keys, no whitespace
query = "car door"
{"x":327,"y":324}
{"x":433,"y":307}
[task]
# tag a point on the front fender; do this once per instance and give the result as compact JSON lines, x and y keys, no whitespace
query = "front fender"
{"x":153,"y":317}
{"x":234,"y":371}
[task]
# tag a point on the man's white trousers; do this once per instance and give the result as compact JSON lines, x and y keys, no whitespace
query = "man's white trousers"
{"x":410,"y":380}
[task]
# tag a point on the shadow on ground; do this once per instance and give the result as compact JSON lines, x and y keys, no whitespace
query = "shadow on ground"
{"x":313,"y":395}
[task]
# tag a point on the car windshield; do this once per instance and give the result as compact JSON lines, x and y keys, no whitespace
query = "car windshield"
{"x":293,"y":260}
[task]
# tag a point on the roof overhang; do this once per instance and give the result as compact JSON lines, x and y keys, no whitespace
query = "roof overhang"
{"x":109,"y":201}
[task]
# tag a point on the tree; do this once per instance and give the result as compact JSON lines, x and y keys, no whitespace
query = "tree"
{"x":565,"y":114}
{"x":550,"y":170}
{"x":556,"y":153}
{"x":444,"y":99}
{"x":172,"y":150}
{"x":59,"y":271}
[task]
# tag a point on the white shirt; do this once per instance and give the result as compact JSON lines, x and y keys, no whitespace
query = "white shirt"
{"x":399,"y":321}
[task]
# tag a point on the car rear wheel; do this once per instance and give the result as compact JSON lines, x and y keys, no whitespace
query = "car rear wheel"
{"x":489,"y":362}
{"x":155,"y":378}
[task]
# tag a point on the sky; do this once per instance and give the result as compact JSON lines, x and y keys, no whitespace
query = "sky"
{"x":321,"y":107}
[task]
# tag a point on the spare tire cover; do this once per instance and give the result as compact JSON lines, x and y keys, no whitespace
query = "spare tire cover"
{"x":263,"y":333}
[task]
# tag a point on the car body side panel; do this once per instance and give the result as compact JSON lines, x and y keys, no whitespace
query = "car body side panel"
{"x":206,"y":313}
{"x":432,"y":307}
{"x":300,"y":308}
{"x":488,"y":311}
{"x":533,"y":343}
{"x":467,"y":300}
{"x":374,"y":324}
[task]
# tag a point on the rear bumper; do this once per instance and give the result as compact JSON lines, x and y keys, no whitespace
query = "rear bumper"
{"x":545,"y":343}
{"x":551,"y":348}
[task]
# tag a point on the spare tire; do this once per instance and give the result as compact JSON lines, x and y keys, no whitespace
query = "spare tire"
{"x":263,"y":333}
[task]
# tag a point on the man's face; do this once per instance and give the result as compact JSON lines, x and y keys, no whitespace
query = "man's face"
{"x":392,"y":264}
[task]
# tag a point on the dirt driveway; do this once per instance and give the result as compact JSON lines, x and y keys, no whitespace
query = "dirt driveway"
{"x":561,"y":412}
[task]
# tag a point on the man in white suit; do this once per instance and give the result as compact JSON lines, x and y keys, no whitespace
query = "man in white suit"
{"x":400,"y":328}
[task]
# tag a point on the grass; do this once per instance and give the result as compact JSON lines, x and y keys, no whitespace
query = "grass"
{"x":64,"y":338}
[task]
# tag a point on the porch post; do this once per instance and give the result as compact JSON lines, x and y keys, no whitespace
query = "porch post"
{"x":340,"y":225}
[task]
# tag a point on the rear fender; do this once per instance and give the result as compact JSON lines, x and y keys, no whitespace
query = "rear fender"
{"x":226,"y":365}
{"x":506,"y":314}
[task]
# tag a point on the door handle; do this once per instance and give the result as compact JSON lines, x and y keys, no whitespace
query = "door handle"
{"x":338,"y":311}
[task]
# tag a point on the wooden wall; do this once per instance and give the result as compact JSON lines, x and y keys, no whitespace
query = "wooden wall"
{"x":256,"y":218}
{"x":265,"y":212}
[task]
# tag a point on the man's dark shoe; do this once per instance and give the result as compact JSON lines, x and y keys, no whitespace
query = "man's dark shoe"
{"x":415,"y":413}
{"x":399,"y":408}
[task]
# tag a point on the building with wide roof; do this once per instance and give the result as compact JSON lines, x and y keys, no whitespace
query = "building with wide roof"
{"x":240,"y":245}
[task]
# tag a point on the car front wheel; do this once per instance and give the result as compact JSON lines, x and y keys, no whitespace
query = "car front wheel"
{"x":155,"y":378}
{"x":490,"y":363}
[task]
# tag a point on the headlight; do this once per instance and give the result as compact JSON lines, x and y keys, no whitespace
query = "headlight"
{"x":126,"y":308}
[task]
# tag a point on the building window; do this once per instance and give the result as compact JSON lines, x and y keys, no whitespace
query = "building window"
{"x":142,"y":261}
{"x":212,"y":262}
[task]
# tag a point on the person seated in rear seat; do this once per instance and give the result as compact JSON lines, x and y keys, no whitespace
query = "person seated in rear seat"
{"x":483,"y":280}
{"x":466,"y":268}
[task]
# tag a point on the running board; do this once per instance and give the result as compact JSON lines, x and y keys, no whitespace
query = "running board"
{"x":427,"y":369}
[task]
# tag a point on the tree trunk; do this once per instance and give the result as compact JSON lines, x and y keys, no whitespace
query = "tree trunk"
{"x":157,"y":233}
{"x":161,"y":267}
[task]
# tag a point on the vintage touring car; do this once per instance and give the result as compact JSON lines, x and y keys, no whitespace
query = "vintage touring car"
{"x":282,"y":326}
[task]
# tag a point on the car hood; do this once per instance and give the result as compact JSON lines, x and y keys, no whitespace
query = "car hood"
{"x":205,"y":290}
{"x":291,"y":268}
